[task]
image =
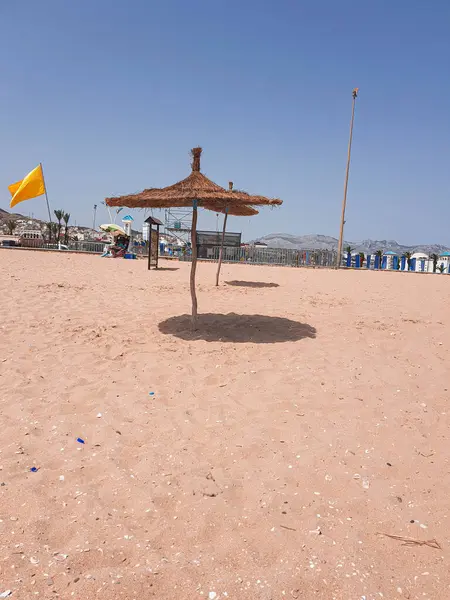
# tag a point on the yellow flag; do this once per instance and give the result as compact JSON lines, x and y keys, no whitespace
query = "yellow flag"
{"x":31,"y":186}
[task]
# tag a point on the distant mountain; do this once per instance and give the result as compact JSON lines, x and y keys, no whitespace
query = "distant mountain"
{"x":325,"y":242}
{"x":371,"y":246}
{"x":299,"y":242}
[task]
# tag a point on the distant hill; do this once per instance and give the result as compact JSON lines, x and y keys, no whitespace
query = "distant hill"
{"x":5,"y":215}
{"x":325,"y":242}
{"x":33,"y":223}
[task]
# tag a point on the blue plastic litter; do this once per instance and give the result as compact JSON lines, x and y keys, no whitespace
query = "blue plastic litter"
{"x":151,"y":393}
{"x":80,"y":440}
{"x":34,"y":469}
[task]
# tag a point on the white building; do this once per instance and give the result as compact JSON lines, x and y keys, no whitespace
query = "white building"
{"x":423,"y":259}
{"x":444,"y":259}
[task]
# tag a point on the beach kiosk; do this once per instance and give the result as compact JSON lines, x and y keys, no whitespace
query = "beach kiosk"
{"x":153,"y":241}
{"x":444,"y":259}
{"x":390,"y":260}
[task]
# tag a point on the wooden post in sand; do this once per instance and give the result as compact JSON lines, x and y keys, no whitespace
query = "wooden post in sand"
{"x":194,"y":263}
{"x":230,"y":187}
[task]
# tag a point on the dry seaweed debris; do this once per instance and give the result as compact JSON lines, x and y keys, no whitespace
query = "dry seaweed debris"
{"x":407,"y":541}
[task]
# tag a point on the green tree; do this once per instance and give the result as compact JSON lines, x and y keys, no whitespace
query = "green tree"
{"x":441,"y":268}
{"x":362,"y":258}
{"x":349,"y":249}
{"x":50,"y":232}
{"x":55,"y":232}
{"x":408,"y":256}
{"x":434,"y":258}
{"x":59,"y":214}
{"x":11,"y":225}
{"x":66,"y":218}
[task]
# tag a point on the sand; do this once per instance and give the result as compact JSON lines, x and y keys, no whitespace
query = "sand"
{"x":307,"y":416}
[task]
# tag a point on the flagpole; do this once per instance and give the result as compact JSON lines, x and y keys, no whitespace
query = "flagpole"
{"x":46,"y":197}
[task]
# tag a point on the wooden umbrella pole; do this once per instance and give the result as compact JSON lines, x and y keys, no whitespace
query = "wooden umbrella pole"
{"x":194,"y":264}
{"x":221,"y":246}
{"x":230,"y":187}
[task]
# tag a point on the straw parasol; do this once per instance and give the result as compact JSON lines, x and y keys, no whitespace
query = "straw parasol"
{"x":196,"y":191}
{"x":247,"y":212}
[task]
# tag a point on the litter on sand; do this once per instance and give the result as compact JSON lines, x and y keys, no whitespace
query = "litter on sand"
{"x":80,"y":440}
{"x":33,"y":470}
{"x":6,"y":594}
{"x":151,"y":393}
{"x":407,"y":541}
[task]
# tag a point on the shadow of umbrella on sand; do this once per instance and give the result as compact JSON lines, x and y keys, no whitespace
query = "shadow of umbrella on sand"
{"x":196,"y":191}
{"x":252,"y":284}
{"x":257,"y":329}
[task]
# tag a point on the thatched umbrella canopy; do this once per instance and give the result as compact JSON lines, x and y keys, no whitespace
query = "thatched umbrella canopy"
{"x":196,"y":191}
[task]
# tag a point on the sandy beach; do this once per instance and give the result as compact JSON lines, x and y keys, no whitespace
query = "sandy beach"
{"x":262,"y":457}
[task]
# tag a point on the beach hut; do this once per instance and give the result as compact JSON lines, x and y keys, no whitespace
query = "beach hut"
{"x":444,"y":259}
{"x":422,"y":262}
{"x":389,"y":260}
{"x":127,"y":223}
{"x":199,"y":192}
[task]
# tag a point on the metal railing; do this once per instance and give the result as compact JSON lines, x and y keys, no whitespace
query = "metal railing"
{"x":95,"y":247}
{"x":269,"y":256}
{"x":79,"y":246}
{"x":87,"y":246}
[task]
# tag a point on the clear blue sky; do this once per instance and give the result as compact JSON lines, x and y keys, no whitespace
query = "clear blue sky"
{"x":111,"y":94}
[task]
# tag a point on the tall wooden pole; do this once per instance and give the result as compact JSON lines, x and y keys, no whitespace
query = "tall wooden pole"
{"x":194,"y":263}
{"x":344,"y":201}
{"x":230,"y":187}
